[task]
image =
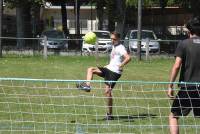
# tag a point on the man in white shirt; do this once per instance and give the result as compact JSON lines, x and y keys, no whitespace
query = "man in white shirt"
{"x":111,"y":72}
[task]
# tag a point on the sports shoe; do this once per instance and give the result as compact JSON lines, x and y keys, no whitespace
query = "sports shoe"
{"x":109,"y":117}
{"x":83,"y":86}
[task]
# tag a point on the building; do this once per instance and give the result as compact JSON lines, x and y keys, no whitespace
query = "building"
{"x":173,"y":18}
{"x":88,"y":19}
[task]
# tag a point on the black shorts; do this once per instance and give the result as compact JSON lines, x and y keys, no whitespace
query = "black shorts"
{"x":185,"y":101}
{"x":109,"y":76}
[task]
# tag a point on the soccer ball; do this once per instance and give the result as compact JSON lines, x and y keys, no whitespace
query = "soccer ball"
{"x":90,"y":38}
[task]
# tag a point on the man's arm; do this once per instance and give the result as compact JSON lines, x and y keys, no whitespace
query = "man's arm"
{"x":126,"y":60}
{"x":173,"y":75}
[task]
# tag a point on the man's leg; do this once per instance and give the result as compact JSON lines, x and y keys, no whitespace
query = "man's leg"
{"x":173,"y":124}
{"x":86,"y":85}
{"x":108,"y":93}
{"x":90,"y":72}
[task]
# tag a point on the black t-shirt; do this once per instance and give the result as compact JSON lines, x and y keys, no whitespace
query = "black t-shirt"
{"x":189,"y":51}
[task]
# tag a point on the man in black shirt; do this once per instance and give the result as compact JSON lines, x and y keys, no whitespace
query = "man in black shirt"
{"x":187,"y":59}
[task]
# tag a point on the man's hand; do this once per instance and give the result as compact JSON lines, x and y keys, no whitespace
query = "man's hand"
{"x":121,"y":67}
{"x":170,"y":93}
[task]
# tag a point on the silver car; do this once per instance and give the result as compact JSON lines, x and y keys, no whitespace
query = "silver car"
{"x":148,"y":39}
{"x":55,"y":39}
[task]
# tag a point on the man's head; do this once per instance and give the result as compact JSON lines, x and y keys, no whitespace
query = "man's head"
{"x":115,"y":37}
{"x":193,"y":26}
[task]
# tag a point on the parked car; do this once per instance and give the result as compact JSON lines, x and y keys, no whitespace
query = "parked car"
{"x":103,"y":41}
{"x":55,"y":39}
{"x":147,"y":36}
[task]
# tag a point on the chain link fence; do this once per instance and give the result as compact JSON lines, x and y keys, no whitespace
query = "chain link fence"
{"x":46,"y":46}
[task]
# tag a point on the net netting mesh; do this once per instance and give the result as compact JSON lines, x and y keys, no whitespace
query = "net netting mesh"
{"x":57,"y":106}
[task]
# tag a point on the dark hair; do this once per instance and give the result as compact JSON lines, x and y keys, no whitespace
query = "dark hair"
{"x":193,"y":25}
{"x":116,"y":34}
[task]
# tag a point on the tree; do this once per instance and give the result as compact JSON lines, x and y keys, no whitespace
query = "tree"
{"x":195,"y":4}
{"x":64,"y":18}
{"x":100,"y":13}
{"x":63,"y":4}
{"x":163,"y":4}
{"x":121,"y":15}
{"x":21,"y":10}
{"x":1,"y":16}
{"x":110,"y":9}
{"x":191,"y":5}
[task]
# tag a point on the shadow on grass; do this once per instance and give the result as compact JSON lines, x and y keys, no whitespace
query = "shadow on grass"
{"x":129,"y":118}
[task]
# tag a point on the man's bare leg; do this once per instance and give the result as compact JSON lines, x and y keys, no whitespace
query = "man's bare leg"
{"x":90,"y":72}
{"x":173,"y":124}
{"x":108,"y":93}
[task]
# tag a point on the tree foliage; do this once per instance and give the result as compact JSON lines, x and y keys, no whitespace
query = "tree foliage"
{"x":14,"y":3}
{"x":190,"y":5}
{"x":145,"y":2}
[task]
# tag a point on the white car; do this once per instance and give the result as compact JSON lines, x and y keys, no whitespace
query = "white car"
{"x":104,"y":43}
{"x":147,"y":36}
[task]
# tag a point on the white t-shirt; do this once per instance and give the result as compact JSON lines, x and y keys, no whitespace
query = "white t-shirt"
{"x":116,"y":58}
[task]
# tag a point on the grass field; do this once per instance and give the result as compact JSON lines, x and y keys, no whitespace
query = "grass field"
{"x":58,"y":107}
{"x":75,"y":68}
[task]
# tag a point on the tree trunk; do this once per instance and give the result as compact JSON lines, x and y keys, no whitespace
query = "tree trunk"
{"x":1,"y":16}
{"x":100,"y":14}
{"x":20,"y":26}
{"x":195,"y":4}
{"x":163,"y":4}
{"x":35,"y":20}
{"x":111,"y":15}
{"x":64,"y":18}
{"x":121,"y":10}
{"x":77,"y":12}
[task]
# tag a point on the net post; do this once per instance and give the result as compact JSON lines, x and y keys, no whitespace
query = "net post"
{"x":147,"y":48}
{"x":96,"y":51}
{"x":45,"y":47}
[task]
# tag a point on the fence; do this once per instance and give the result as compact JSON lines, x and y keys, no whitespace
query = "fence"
{"x":46,"y":46}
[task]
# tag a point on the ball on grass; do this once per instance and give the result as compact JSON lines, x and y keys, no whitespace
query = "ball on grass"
{"x":90,"y":38}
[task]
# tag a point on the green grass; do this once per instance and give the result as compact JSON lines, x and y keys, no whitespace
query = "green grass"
{"x":56,"y":67}
{"x":58,"y":107}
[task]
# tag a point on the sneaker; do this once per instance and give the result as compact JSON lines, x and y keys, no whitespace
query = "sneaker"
{"x":83,"y":86}
{"x":109,"y":117}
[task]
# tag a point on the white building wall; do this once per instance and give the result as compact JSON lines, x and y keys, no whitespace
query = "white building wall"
{"x":86,"y":24}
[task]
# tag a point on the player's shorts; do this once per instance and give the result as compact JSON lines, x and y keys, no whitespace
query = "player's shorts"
{"x":185,"y":101}
{"x":109,"y":76}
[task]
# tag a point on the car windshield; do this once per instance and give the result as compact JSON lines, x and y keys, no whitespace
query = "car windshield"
{"x":102,"y":35}
{"x":53,"y":34}
{"x":144,"y":35}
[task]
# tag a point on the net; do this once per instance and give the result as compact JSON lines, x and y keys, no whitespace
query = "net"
{"x":57,"y":106}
